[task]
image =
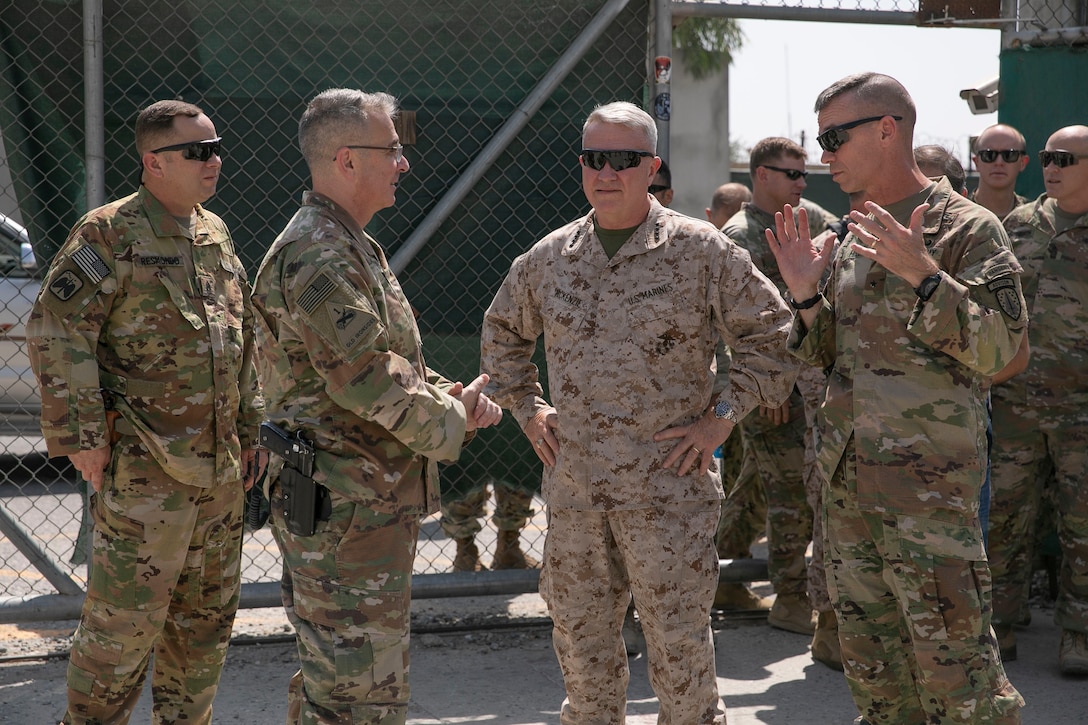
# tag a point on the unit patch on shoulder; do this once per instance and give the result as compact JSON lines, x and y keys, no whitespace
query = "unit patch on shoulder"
{"x":65,"y":285}
{"x":1004,"y":290}
{"x":315,"y":293}
{"x":91,"y":264}
{"x":352,"y":325}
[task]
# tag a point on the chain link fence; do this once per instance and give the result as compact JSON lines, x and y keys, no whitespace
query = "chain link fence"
{"x":463,"y":70}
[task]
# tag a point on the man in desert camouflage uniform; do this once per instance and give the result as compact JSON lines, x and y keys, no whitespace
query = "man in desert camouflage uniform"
{"x":1041,"y":417}
{"x":141,"y":339}
{"x":923,"y":305}
{"x":342,"y":357}
{"x":780,"y":441}
{"x":631,"y":301}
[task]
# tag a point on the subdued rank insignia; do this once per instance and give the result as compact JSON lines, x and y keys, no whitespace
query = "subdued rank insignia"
{"x":352,"y":325}
{"x":65,"y":285}
{"x":91,"y":264}
{"x":315,"y":293}
{"x":1004,"y":289}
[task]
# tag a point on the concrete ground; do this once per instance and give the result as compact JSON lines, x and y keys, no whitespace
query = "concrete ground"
{"x":489,"y":660}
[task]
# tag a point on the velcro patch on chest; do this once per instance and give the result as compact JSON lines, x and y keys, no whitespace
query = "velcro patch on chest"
{"x":158,"y":260}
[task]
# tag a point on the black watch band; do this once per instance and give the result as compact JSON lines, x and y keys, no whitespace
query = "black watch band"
{"x":927,"y":287}
{"x":804,"y":304}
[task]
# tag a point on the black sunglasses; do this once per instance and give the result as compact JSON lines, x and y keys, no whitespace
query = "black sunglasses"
{"x":988,"y":156}
{"x":834,"y":137}
{"x":791,"y":174}
{"x":196,"y":150}
{"x":1059,"y":158}
{"x":654,"y":188}
{"x":618,"y":160}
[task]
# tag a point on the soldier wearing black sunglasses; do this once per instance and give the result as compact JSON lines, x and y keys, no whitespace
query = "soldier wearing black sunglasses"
{"x":1039,"y":423}
{"x":1000,"y":155}
{"x":922,"y":308}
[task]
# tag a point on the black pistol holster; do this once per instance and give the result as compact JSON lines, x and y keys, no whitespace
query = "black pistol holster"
{"x":304,"y":501}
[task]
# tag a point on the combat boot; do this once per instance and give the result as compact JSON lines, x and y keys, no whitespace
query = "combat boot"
{"x":825,"y":642}
{"x":738,"y":597}
{"x":508,"y":553}
{"x":1006,"y":641}
{"x":1073,"y":655}
{"x":793,"y":613}
{"x":468,"y":556}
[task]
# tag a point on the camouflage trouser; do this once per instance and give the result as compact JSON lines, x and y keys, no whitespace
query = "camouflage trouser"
{"x":912,"y":597}
{"x":165,"y":575}
{"x":1024,"y":459}
{"x":593,"y":562}
{"x":461,"y":519}
{"x":812,"y":383}
{"x":744,"y":509}
{"x":347,"y":592}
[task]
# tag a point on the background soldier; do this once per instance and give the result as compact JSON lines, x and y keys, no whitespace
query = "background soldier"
{"x":780,"y":441}
{"x":341,"y":354}
{"x":1000,"y":155}
{"x":922,"y":306}
{"x":141,"y":339}
{"x":632,"y":490}
{"x":1041,"y":417}
{"x":725,"y":202}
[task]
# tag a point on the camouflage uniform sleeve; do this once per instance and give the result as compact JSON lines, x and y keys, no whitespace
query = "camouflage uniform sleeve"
{"x":251,"y":406}
{"x":62,"y":341}
{"x":348,"y":342}
{"x":511,"y":327}
{"x":814,"y":346}
{"x":979,"y":316}
{"x":753,"y":321}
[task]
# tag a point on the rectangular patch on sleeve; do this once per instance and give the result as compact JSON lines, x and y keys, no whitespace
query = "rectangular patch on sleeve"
{"x":315,"y":293}
{"x":91,"y":264}
{"x":353,"y":326}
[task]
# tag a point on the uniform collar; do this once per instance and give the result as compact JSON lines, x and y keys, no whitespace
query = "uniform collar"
{"x":163,"y":223}
{"x":651,"y":234}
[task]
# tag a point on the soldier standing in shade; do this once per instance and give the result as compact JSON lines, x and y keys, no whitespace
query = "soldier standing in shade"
{"x":631,"y":300}
{"x":141,"y":339}
{"x":1041,"y":416}
{"x":725,"y":202}
{"x":780,"y":441}
{"x":342,"y":358}
{"x":923,"y":305}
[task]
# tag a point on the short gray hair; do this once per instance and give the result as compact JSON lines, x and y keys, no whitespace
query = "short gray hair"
{"x":333,"y":114}
{"x":875,"y":93}
{"x":622,"y":113}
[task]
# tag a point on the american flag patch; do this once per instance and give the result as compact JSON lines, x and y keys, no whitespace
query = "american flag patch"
{"x":316,"y":293}
{"x":91,"y":264}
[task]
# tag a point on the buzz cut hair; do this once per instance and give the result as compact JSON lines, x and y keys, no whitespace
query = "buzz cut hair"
{"x":771,"y":149}
{"x":333,"y":115}
{"x":154,"y":123}
{"x":1003,"y":127}
{"x":622,"y":113}
{"x":875,"y":93}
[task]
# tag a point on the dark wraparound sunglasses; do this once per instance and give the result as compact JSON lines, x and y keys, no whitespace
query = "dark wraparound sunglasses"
{"x":618,"y":160}
{"x":988,"y":156}
{"x":1059,"y":158}
{"x":834,"y":137}
{"x":791,"y":174}
{"x":195,"y":150}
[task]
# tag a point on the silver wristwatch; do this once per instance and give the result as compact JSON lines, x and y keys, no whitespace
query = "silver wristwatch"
{"x":723,"y":409}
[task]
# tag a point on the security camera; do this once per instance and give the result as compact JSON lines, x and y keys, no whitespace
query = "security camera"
{"x":982,"y":99}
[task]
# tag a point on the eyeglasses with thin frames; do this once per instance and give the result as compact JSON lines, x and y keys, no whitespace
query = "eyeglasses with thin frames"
{"x":988,"y":156}
{"x":791,"y":174}
{"x":833,"y":138}
{"x":195,"y":150}
{"x":397,"y":150}
{"x":1059,"y":157}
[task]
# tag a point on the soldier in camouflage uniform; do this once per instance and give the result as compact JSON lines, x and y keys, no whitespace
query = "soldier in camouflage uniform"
{"x":1041,"y":417}
{"x":461,"y":522}
{"x":781,"y":440}
{"x":1000,"y":155}
{"x":725,"y":202}
{"x":342,"y":358}
{"x":141,"y":339}
{"x":923,"y":305}
{"x":631,"y":300}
